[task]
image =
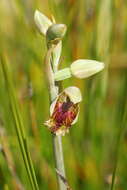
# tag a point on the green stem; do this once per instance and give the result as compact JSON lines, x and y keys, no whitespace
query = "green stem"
{"x":116,"y":160}
{"x":117,"y":149}
{"x":57,"y":140}
{"x":58,"y":152}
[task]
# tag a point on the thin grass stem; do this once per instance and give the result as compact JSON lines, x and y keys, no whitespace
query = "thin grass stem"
{"x":18,"y":125}
{"x":117,"y":150}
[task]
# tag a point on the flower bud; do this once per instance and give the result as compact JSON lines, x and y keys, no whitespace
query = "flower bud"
{"x":42,"y":22}
{"x":64,"y":111}
{"x":84,"y":68}
{"x":55,"y":33}
{"x":81,"y":68}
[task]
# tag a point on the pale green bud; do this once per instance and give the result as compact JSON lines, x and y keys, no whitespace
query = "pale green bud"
{"x":42,"y":22}
{"x":81,"y":68}
{"x":55,"y":33}
{"x":84,"y":68}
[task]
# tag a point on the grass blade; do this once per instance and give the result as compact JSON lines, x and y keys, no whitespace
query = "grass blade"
{"x":18,"y":124}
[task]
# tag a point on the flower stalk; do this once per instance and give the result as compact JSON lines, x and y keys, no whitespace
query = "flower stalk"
{"x":57,"y":141}
{"x":53,"y":34}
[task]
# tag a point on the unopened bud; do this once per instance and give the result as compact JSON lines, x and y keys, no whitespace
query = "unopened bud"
{"x":55,"y":33}
{"x":81,"y":68}
{"x":84,"y":68}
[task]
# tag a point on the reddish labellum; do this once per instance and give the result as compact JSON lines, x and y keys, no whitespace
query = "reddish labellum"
{"x":64,"y":114}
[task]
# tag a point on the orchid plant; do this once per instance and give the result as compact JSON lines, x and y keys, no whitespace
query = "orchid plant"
{"x":64,"y":108}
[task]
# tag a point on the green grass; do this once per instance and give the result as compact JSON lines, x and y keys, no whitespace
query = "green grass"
{"x":96,"y":30}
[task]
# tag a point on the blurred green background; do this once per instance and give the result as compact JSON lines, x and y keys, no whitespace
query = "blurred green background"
{"x":97,"y":29}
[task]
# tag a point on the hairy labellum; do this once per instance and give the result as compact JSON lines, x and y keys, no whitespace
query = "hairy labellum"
{"x":63,"y":115}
